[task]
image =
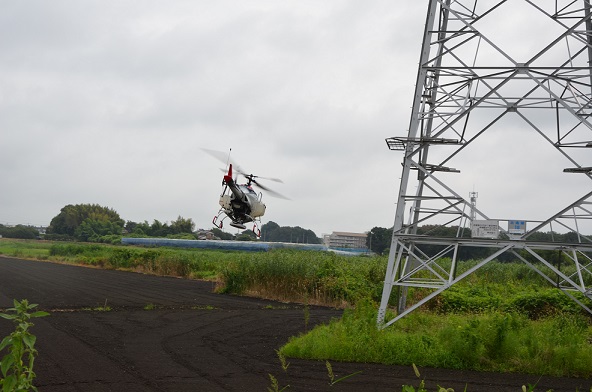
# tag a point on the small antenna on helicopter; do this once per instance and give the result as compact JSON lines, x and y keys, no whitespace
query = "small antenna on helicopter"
{"x":228,"y":159}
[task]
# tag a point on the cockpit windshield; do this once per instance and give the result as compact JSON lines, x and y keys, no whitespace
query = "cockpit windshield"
{"x":247,"y":189}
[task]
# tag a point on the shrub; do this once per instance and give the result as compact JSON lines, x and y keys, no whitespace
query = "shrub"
{"x":17,"y":365}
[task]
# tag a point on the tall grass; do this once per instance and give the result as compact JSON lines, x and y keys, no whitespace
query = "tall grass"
{"x":505,"y":317}
{"x":312,"y":277}
{"x":316,"y":277}
{"x":503,"y":342}
{"x":186,"y":263}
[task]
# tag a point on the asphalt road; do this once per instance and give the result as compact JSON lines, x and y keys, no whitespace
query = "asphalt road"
{"x":192,"y":339}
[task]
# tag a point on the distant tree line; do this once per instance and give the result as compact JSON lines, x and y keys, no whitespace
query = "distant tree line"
{"x":19,"y":231}
{"x":179,"y":228}
{"x":95,"y":223}
{"x":379,"y":241}
{"x":245,"y":235}
{"x":272,"y":232}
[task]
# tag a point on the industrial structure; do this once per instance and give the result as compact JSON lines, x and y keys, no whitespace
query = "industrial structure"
{"x":470,"y":83}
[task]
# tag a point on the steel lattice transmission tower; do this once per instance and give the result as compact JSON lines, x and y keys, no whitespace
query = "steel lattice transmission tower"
{"x":470,"y":83}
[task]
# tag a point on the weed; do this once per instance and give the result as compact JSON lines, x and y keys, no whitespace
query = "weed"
{"x":332,"y":379}
{"x":283,"y":361}
{"x":150,"y":307}
{"x":98,"y":309}
{"x":276,"y":307}
{"x":306,"y":313}
{"x":203,"y":307}
{"x":17,"y":365}
{"x":275,"y":386}
{"x":421,"y":387}
{"x":104,"y":308}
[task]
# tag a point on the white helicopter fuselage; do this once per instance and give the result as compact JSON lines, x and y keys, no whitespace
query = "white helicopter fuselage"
{"x":240,"y":203}
{"x":248,"y":196}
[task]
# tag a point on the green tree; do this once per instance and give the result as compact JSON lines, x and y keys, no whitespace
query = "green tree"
{"x":246,"y":235}
{"x":142,"y":229}
{"x":379,"y":239}
{"x":158,"y":229}
{"x":92,"y":230}
{"x":222,"y":235}
{"x":130,"y":226}
{"x":98,"y":221}
{"x":272,"y":232}
{"x":182,"y":225}
{"x":19,"y":231}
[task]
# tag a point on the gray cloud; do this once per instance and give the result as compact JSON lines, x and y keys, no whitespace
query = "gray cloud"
{"x":111,"y":103}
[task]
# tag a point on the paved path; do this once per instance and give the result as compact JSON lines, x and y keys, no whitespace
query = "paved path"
{"x":193,"y":340}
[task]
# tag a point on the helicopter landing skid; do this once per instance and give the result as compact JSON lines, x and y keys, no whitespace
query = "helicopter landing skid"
{"x":256,"y":229}
{"x":219,"y":223}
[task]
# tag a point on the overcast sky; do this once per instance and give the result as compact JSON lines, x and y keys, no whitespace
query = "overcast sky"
{"x":112,"y":102}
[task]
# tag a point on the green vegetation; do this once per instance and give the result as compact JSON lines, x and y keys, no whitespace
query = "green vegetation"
{"x":19,"y":231}
{"x":103,"y":308}
{"x":379,"y":241}
{"x":30,"y":249}
{"x":503,"y":318}
{"x":556,"y":345}
{"x":275,"y":386}
{"x":305,"y":276}
{"x":185,"y":263}
{"x":17,"y":365}
{"x":204,"y":307}
{"x":332,"y":379}
{"x":272,"y":232}
{"x":86,"y":222}
{"x":95,"y":223}
{"x":177,"y":229}
{"x":421,"y":386}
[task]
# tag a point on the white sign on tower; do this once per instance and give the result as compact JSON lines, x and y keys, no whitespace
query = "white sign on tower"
{"x":485,"y":228}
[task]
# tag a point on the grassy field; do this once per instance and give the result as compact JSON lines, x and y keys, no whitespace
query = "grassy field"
{"x":557,"y":345}
{"x":503,"y":318}
{"x":29,"y":249}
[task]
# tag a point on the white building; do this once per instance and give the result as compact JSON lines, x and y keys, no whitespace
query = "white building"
{"x":340,"y":239}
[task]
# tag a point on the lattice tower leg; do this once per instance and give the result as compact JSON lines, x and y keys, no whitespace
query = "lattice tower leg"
{"x":456,"y":84}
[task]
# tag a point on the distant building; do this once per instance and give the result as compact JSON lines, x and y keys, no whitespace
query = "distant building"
{"x":205,"y":235}
{"x":344,"y":240}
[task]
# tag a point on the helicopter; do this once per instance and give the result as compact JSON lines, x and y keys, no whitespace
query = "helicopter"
{"x":239,"y":202}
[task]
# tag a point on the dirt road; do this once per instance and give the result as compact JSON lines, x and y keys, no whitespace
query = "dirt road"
{"x":169,"y":334}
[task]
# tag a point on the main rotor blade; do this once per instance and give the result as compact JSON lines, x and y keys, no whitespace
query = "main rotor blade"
{"x":252,"y":177}
{"x":223,"y":157}
{"x":270,"y":179}
{"x":270,"y":191}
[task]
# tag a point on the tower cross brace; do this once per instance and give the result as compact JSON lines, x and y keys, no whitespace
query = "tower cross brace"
{"x":469,"y":81}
